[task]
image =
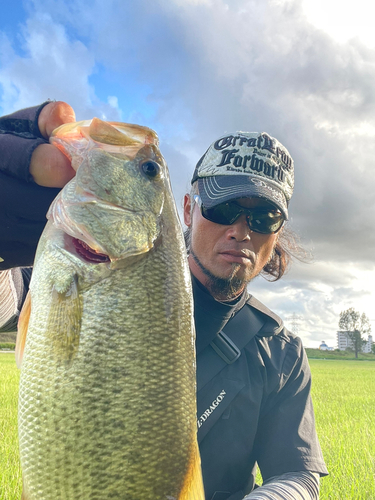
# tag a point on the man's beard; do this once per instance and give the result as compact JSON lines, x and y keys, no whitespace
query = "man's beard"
{"x":222,"y":288}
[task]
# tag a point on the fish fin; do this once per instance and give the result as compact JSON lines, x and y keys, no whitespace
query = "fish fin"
{"x":64,"y":321}
{"x":105,"y":133}
{"x":192,"y":488}
{"x":23,"y":325}
{"x":24,"y":495}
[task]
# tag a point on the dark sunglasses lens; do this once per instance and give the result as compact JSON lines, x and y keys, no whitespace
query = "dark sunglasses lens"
{"x":225,"y":213}
{"x":260,"y":221}
{"x":266,"y":222}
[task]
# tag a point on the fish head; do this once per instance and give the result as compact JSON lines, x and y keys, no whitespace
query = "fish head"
{"x":135,"y":185}
{"x":112,"y":207}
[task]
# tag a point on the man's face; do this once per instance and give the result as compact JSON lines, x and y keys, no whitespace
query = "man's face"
{"x":231,"y":253}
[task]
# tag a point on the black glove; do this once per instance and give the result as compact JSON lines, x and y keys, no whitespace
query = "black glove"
{"x":23,"y":204}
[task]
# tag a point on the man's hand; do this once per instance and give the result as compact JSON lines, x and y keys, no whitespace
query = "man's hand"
{"x":49,"y":167}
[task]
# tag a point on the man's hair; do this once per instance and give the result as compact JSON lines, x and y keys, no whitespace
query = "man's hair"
{"x":287,"y":247}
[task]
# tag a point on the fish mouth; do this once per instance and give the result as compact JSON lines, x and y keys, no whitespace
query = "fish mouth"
{"x":88,"y":253}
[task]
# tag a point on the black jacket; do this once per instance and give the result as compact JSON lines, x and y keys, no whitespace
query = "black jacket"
{"x":257,"y":409}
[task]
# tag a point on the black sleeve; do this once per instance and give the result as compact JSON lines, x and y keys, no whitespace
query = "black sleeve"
{"x":23,"y":204}
{"x":286,"y":438}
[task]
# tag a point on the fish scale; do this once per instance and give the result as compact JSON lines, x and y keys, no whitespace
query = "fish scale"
{"x":107,"y":409}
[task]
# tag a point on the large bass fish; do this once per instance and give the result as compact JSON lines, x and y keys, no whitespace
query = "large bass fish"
{"x":107,"y":392}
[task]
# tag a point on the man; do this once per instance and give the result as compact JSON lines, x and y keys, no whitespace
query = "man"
{"x":253,"y":378}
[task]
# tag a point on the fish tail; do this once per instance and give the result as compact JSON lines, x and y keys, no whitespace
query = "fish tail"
{"x":193,"y":485}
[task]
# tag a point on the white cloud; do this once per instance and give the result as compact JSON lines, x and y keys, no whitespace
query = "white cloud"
{"x":317,"y":293}
{"x":342,"y":20}
{"x":51,"y":67}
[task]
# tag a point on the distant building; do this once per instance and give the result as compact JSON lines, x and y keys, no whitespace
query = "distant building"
{"x":324,"y":347}
{"x":368,"y":346}
{"x":344,"y":342}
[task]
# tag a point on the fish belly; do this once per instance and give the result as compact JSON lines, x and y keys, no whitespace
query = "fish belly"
{"x":117,"y":421}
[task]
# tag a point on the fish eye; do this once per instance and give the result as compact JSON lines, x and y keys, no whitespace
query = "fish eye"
{"x":151,"y":169}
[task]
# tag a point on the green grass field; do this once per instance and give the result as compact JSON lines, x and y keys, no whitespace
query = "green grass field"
{"x":344,"y":401}
{"x":10,"y":472}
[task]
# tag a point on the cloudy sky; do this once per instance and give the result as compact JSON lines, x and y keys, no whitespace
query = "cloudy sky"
{"x":301,"y":70}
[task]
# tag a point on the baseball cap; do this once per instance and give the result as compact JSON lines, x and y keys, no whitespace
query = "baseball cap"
{"x":246,"y":165}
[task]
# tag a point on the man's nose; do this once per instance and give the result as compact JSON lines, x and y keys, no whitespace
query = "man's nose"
{"x":240,"y":229}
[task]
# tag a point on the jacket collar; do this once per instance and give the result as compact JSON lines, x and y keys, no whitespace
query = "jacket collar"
{"x":211,"y":315}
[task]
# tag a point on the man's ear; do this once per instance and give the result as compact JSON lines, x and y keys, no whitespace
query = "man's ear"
{"x":187,"y":210}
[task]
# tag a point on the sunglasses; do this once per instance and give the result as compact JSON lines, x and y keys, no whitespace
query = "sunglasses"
{"x":259,"y":219}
